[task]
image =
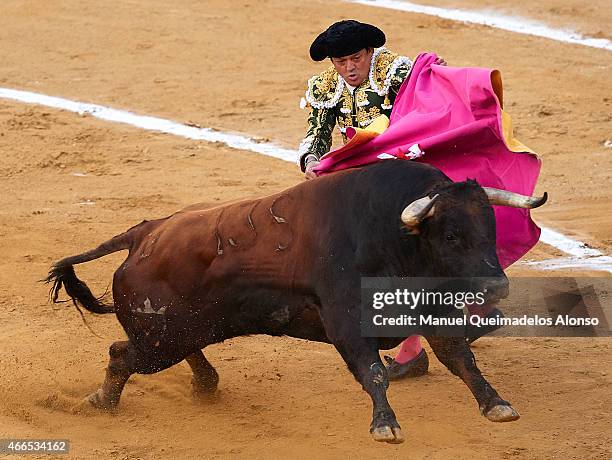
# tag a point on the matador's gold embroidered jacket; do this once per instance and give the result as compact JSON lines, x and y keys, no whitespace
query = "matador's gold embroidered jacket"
{"x":332,"y":101}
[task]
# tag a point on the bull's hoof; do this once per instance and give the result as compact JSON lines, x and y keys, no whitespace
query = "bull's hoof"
{"x":204,"y":388}
{"x":388,"y":434}
{"x":385,"y":428}
{"x":206,"y":396}
{"x":98,"y":400}
{"x":502,"y":413}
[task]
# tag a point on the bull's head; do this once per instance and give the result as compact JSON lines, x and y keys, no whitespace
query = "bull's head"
{"x":456,"y":226}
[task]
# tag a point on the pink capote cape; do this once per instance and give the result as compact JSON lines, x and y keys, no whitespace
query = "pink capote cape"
{"x":454,"y":116}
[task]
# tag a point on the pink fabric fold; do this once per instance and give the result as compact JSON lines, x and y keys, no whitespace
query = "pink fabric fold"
{"x":455,"y":117}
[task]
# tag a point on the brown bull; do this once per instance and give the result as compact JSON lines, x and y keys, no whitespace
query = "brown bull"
{"x":290,"y":264}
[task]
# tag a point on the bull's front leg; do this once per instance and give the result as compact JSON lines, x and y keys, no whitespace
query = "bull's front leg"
{"x":456,"y":355}
{"x":362,"y":358}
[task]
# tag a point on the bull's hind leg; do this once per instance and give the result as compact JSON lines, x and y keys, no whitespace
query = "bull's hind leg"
{"x":125,"y":360}
{"x":119,"y":369}
{"x":456,"y":355}
{"x":205,"y":378}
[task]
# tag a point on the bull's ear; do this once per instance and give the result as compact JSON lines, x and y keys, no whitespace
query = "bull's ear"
{"x":415,"y":212}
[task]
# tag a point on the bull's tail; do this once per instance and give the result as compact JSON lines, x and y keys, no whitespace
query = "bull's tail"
{"x":62,"y":274}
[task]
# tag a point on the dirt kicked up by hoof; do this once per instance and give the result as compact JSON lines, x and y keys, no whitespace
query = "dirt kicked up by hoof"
{"x":97,"y":400}
{"x":207,"y":397}
{"x":501,"y":413}
{"x":388,"y":434}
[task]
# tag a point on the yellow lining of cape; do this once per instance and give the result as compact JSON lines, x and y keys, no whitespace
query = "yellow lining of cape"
{"x":513,"y":144}
{"x":363,"y":135}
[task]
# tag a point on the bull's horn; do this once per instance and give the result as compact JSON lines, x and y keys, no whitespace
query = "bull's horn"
{"x":416,"y":211}
{"x":514,"y":200}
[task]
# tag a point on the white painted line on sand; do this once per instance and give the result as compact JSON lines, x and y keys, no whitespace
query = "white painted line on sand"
{"x":579,"y":251}
{"x":568,"y":245}
{"x":493,"y":19}
{"x":599,"y":263}
{"x":151,"y":123}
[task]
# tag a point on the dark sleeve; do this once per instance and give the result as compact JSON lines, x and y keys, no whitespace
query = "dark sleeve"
{"x":318,"y":138}
{"x":400,"y":75}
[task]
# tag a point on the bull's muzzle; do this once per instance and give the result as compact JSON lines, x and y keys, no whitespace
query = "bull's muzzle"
{"x":496,"y":288}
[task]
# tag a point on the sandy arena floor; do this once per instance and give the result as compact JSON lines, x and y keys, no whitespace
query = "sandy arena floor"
{"x":70,"y":182}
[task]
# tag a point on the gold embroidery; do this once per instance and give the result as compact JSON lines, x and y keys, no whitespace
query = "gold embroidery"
{"x":346,"y":108}
{"x":361,"y":98}
{"x":387,"y":102}
{"x":384,"y":61}
{"x":345,"y":121}
{"x":373,"y":112}
{"x":365,"y":116}
{"x":347,"y":103}
{"x":362,"y":117}
{"x":326,"y":83}
{"x":397,"y":80}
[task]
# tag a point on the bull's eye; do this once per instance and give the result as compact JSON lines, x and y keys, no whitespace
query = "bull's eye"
{"x":451,"y":237}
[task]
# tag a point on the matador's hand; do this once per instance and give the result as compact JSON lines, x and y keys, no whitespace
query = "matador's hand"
{"x":310,"y":174}
{"x":440,"y":61}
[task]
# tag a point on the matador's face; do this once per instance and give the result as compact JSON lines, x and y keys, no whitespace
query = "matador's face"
{"x":354,"y":68}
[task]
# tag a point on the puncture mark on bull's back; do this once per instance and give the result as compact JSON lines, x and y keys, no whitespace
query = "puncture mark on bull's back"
{"x":250,"y":217}
{"x":243,"y":238}
{"x":281,"y":245}
{"x":278,"y":219}
{"x":285,"y":225}
{"x":217,"y":234}
{"x":147,"y":249}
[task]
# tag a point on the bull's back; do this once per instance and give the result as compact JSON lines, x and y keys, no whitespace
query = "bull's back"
{"x":272,"y":240}
{"x":260,"y":240}
{"x":236,"y":267}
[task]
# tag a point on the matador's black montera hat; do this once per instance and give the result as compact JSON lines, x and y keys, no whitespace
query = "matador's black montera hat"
{"x":344,"y":38}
